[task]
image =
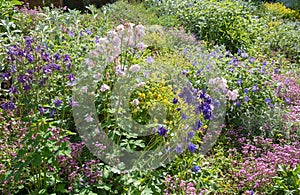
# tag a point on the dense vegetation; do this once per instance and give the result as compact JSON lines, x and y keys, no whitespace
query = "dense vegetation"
{"x":157,"y":97}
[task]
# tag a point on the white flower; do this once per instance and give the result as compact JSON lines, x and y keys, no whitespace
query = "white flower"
{"x":129,"y":25}
{"x":135,"y":68}
{"x":112,"y":34}
{"x":220,"y":82}
{"x":223,"y":84}
{"x":120,"y":27}
{"x":103,"y":41}
{"x":135,"y":102}
{"x":232,"y":95}
{"x":141,"y":84}
{"x":141,"y":46}
{"x":104,"y":87}
{"x":84,"y":89}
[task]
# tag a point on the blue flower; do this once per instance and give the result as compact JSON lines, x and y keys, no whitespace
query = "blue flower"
{"x":195,"y":169}
{"x":191,"y":134}
{"x":192,"y":147}
{"x":197,"y":125}
{"x":268,"y":101}
{"x":175,"y":101}
{"x":52,"y":112}
{"x":162,"y":131}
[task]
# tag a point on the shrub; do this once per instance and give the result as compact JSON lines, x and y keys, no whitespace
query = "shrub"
{"x":280,"y":11}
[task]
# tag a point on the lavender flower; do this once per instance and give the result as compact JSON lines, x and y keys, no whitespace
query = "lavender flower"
{"x":162,"y":131}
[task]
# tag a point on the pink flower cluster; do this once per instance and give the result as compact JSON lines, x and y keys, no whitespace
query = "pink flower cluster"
{"x":260,"y":162}
{"x":174,"y":185}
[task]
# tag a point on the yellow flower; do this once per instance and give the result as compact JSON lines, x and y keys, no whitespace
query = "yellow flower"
{"x":142,"y":95}
{"x":159,"y":98}
{"x":134,"y":111}
{"x":165,"y":101}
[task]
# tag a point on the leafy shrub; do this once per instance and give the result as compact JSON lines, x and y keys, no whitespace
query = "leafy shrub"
{"x":288,"y":180}
{"x":222,"y":22}
{"x":281,"y":12}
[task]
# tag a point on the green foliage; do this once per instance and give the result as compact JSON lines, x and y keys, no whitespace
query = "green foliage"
{"x":288,"y":181}
{"x":7,"y":8}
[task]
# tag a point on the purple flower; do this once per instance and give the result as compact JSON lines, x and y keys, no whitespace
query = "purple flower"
{"x":179,"y":148}
{"x":56,"y":56}
{"x":227,"y":53}
{"x":216,"y":103}
{"x":187,"y":95}
{"x":192,"y":147}
{"x":13,"y":90}
{"x":28,"y":40}
{"x":195,"y":169}
{"x":67,"y":58}
{"x":45,"y":56}
{"x":191,"y":134}
{"x":246,"y":90}
{"x":71,"y":78}
{"x":239,"y":52}
{"x":22,"y":79}
{"x":149,"y":60}
{"x":88,"y":31}
{"x":30,"y":58}
{"x":162,"y":131}
{"x":8,"y":106}
{"x":254,"y":88}
{"x":198,"y":72}
{"x":235,"y":62}
{"x":237,"y":103}
{"x":175,"y":101}
{"x":197,"y":125}
{"x":52,"y":112}
{"x":5,"y":76}
{"x":57,"y":102}
{"x":252,"y":60}
{"x":71,"y":34}
{"x":26,"y":87}
{"x":287,"y":100}
{"x":73,"y":103}
{"x":42,"y":110}
{"x":96,"y":39}
{"x":244,"y":55}
{"x":246,"y":99}
{"x":276,"y":70}
{"x":264,"y":63}
{"x":239,"y":81}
